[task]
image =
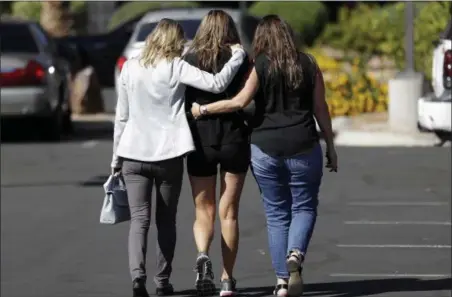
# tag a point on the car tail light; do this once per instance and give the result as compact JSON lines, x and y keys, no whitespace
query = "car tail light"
{"x":447,"y":70}
{"x":121,"y":62}
{"x":31,"y":75}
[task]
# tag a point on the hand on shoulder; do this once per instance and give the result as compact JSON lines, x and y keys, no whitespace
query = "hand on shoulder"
{"x":236,"y":47}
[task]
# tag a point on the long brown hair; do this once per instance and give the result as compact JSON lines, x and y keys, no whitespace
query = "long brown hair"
{"x":275,"y":39}
{"x":215,"y":34}
{"x":166,"y":41}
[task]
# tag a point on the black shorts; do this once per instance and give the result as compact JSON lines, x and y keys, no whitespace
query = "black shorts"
{"x":232,"y":158}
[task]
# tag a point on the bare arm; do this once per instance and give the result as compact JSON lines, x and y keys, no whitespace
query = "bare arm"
{"x":194,"y":77}
{"x":321,"y":112}
{"x":241,"y":100}
{"x":122,"y":115}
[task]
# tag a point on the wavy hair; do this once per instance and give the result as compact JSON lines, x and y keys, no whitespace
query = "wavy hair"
{"x":166,"y":41}
{"x":215,"y":34}
{"x":275,"y":39}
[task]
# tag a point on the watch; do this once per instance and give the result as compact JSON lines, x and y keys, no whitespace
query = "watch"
{"x":203,"y":110}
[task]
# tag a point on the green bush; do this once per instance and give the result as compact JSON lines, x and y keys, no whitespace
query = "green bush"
{"x":32,"y":10}
{"x":135,"y":9}
{"x":306,"y":18}
{"x":371,"y":30}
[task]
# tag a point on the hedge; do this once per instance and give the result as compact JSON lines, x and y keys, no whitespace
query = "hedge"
{"x":369,"y":30}
{"x":32,"y":10}
{"x":135,"y":9}
{"x":306,"y":18}
{"x":350,"y":89}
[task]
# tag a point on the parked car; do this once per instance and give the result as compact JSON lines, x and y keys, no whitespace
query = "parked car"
{"x":33,"y":79}
{"x":101,"y":51}
{"x":435,"y":110}
{"x":190,"y":19}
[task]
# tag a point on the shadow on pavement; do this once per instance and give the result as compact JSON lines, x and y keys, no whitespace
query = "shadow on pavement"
{"x":356,"y":288}
{"x":96,"y":181}
{"x":92,"y":130}
{"x":23,"y":132}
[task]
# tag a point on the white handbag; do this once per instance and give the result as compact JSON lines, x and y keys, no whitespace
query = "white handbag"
{"x":115,"y":208}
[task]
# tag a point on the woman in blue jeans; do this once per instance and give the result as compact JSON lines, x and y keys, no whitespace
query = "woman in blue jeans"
{"x":286,"y":157}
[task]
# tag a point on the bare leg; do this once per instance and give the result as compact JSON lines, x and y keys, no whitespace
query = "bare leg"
{"x":231,"y":189}
{"x":203,"y":190}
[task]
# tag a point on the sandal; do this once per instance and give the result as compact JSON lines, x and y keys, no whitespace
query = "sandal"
{"x":295,"y":286}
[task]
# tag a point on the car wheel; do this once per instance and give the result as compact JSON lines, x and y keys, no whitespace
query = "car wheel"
{"x":444,"y":135}
{"x":51,"y":129}
{"x":68,"y":126}
{"x":66,"y":110}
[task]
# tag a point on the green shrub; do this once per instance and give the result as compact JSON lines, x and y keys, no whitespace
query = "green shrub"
{"x":32,"y":10}
{"x":135,"y":9}
{"x":371,"y":30}
{"x":306,"y":18}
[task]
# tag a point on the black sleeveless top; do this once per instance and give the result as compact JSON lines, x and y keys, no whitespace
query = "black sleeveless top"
{"x":217,"y":129}
{"x":284,"y":122}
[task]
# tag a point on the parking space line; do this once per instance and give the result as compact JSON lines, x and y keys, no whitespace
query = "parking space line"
{"x":397,"y":223}
{"x":393,"y":275}
{"x":397,"y":203}
{"x":89,"y":144}
{"x":401,"y":246}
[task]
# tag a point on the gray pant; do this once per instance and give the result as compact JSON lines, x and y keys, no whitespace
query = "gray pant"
{"x":140,"y":178}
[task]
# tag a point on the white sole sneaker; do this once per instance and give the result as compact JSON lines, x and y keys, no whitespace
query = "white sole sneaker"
{"x":205,"y":285}
{"x":295,"y":279}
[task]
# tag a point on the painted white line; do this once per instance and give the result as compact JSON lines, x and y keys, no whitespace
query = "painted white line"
{"x":397,"y":203}
{"x":397,"y":223}
{"x":394,"y":275}
{"x":400,"y":246}
{"x":89,"y":144}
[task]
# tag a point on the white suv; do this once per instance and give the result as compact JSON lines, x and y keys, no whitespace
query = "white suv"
{"x":435,"y":110}
{"x":190,"y":19}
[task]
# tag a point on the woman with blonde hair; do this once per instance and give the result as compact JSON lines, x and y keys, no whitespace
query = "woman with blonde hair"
{"x":151,"y":136}
{"x":221,"y":141}
{"x":286,"y":157}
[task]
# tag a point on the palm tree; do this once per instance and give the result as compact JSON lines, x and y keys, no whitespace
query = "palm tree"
{"x":56,"y":18}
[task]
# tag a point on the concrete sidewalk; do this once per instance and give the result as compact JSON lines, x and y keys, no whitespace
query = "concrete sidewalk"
{"x":372,"y":130}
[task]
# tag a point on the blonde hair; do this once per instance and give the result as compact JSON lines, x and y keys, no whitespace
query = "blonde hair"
{"x":166,"y":41}
{"x":215,"y":34}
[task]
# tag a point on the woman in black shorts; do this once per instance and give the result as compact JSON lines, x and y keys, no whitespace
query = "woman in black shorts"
{"x":221,"y":141}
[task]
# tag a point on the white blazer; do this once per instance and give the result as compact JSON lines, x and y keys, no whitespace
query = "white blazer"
{"x":150,"y":122}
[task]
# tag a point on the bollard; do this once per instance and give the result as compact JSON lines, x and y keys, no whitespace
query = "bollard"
{"x":404,"y":92}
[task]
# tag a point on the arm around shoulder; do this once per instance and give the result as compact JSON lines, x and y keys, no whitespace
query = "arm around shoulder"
{"x":241,"y":100}
{"x":195,"y":77}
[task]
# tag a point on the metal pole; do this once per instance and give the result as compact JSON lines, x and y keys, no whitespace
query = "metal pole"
{"x":409,"y":37}
{"x":243,"y":9}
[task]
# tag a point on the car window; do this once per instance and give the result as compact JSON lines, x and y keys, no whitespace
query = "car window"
{"x":17,"y":38}
{"x":190,"y":27}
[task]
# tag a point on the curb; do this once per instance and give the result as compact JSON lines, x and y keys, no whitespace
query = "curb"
{"x":98,"y":117}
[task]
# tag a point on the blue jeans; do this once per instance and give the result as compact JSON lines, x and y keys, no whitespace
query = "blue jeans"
{"x":289,"y":188}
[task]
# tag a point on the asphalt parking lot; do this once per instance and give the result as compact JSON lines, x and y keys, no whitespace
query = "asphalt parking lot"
{"x":384,"y":225}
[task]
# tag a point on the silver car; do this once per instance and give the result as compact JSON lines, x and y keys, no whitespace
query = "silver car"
{"x":33,"y":79}
{"x":190,"y":19}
